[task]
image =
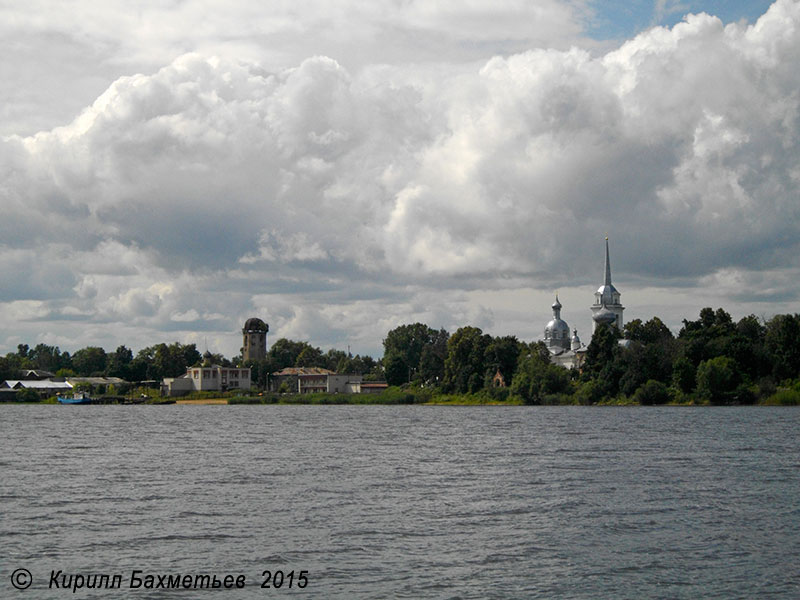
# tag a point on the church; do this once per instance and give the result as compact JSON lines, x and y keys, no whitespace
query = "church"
{"x":568,"y":351}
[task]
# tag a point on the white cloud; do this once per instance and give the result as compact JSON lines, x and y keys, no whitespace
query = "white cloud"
{"x":81,"y":47}
{"x":341,"y":201}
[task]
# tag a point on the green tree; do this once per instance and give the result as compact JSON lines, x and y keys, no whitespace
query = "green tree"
{"x":683,"y":375}
{"x":8,"y":370}
{"x":90,"y":361}
{"x":260,"y":371}
{"x":536,"y":378}
{"x":332,"y":358}
{"x":433,"y":356}
{"x":414,"y":352}
{"x":19,"y":360}
{"x":717,"y":380}
{"x":396,"y":369}
{"x":284,"y":353}
{"x":502,"y":354}
{"x":219,"y":359}
{"x":465,"y":369}
{"x":119,"y":361}
{"x":650,"y":355}
{"x":172,"y":360}
{"x":652,"y":392}
{"x":782,"y":341}
{"x":310,"y":357}
{"x":27,"y":395}
{"x":137,"y":369}
{"x":650,"y":332}
{"x":708,"y":336}
{"x":605,"y":361}
{"x":355,"y":365}
{"x":49,"y":358}
{"x":162,"y":360}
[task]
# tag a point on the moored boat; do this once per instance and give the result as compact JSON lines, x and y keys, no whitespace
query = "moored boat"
{"x":77,"y":398}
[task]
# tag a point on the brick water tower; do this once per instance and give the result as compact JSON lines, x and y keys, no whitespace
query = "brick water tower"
{"x":254,"y":339}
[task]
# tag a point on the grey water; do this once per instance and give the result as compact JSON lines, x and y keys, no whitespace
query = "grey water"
{"x":405,"y":501}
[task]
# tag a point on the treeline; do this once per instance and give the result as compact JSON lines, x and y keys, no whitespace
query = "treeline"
{"x":149,"y":364}
{"x":712,"y":360}
{"x":171,"y":360}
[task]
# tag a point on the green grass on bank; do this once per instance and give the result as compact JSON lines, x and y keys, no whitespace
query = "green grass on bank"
{"x":391,"y":396}
{"x":784,"y":397}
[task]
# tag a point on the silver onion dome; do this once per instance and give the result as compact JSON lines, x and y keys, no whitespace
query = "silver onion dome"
{"x":604,"y":316}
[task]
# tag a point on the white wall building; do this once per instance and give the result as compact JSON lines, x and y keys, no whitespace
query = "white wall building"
{"x":207,"y":378}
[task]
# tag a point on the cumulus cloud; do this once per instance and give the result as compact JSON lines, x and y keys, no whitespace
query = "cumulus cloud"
{"x":341,"y":201}
{"x":68,"y":53}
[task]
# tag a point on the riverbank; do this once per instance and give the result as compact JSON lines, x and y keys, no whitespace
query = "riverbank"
{"x":422,"y":396}
{"x":203,"y":401}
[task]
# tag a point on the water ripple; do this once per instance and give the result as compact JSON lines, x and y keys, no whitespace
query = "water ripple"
{"x":411,"y":502}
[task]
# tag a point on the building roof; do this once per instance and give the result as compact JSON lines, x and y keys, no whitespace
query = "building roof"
{"x":557,"y":324}
{"x":255,"y":324}
{"x":303,"y":371}
{"x":36,"y":384}
{"x":96,"y":380}
{"x":604,"y":316}
{"x":36,"y":374}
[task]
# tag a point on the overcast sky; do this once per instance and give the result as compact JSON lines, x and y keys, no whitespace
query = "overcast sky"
{"x":341,"y":168}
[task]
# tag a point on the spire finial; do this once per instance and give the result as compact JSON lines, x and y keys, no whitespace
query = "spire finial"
{"x":556,"y":308}
{"x":608,"y":267}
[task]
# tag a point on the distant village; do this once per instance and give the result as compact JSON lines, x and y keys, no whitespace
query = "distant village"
{"x":214,"y":374}
{"x":206,"y":375}
{"x":210,"y":377}
{"x":712,"y":360}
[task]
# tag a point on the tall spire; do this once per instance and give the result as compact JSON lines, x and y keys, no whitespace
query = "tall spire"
{"x":607,"y":306}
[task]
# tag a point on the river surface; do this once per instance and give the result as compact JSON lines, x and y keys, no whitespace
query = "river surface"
{"x":404,"y":501}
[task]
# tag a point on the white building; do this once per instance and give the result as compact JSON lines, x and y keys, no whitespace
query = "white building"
{"x":207,"y":378}
{"x":564,"y":350}
{"x":568,"y":351}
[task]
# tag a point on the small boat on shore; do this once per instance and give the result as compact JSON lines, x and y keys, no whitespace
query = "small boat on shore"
{"x":76,"y":398}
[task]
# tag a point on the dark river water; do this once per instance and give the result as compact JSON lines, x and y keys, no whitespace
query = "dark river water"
{"x":402,"y":502}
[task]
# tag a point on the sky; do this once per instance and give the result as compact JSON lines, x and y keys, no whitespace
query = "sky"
{"x":170,"y":169}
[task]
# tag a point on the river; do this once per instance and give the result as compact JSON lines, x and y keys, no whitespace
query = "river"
{"x":402,"y":501}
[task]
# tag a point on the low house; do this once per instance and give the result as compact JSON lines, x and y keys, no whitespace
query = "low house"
{"x":309,"y":380}
{"x":372,"y":387}
{"x":309,"y":383}
{"x":99,"y":385}
{"x":288,"y":379}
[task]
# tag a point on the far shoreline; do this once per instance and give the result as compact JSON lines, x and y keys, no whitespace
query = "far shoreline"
{"x":345,"y":401}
